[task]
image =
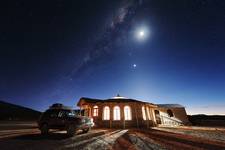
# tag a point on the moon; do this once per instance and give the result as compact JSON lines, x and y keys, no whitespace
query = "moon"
{"x":141,"y":33}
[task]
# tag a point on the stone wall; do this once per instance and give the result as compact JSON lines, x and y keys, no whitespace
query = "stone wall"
{"x":136,"y":115}
{"x":179,"y":116}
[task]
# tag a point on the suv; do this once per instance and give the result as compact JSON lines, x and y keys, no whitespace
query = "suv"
{"x":64,"y":119}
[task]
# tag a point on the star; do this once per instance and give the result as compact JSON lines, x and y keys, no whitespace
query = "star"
{"x":134,"y":65}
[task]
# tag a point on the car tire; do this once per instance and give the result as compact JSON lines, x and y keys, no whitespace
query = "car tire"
{"x":71,"y":130}
{"x":44,"y":129}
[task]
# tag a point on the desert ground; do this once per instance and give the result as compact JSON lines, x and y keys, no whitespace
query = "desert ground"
{"x":26,"y":136}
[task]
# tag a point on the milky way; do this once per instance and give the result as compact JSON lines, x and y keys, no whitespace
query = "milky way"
{"x":115,"y":33}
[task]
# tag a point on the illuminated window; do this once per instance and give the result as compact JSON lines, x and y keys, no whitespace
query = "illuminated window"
{"x":143,"y":113}
{"x":116,"y":113}
{"x":148,"y":114}
{"x":106,"y":113}
{"x":127,"y":113}
{"x":95,"y":111}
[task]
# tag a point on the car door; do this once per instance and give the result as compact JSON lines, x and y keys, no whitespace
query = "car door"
{"x":62,"y":115}
{"x":53,"y":118}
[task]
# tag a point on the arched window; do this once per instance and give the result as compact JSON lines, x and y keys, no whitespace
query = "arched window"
{"x":106,"y":113}
{"x":143,"y":113}
{"x":148,"y":114}
{"x":95,"y":111}
{"x":170,"y":113}
{"x":116,"y":113}
{"x":127,"y":113}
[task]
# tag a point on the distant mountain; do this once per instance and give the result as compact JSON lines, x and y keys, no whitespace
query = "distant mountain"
{"x":15,"y":112}
{"x":207,"y":120}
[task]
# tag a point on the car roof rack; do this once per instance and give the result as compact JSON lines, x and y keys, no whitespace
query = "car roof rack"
{"x":59,"y":106}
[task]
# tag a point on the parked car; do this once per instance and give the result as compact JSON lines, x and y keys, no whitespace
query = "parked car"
{"x":63,"y":118}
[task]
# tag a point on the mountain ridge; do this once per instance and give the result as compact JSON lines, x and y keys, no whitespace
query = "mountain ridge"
{"x":9,"y":111}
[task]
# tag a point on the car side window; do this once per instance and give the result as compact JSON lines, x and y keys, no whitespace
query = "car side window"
{"x":61,"y":114}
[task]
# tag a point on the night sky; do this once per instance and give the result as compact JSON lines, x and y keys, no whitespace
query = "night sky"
{"x":158,"y":51}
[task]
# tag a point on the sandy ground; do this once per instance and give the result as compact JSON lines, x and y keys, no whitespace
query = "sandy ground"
{"x":206,"y":132}
{"x":10,"y":125}
{"x":112,"y":139}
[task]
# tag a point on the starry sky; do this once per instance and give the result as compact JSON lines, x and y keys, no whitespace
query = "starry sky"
{"x":157,"y":51}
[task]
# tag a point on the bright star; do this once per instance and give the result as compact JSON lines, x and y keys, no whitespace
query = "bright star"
{"x":134,"y":65}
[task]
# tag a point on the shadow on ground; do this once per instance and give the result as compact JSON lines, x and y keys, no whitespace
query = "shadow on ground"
{"x":51,"y":136}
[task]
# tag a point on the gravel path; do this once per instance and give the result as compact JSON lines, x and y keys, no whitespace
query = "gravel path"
{"x":110,"y":139}
{"x":175,"y":141}
{"x":142,"y":142}
{"x":102,"y":142}
{"x":218,"y":135}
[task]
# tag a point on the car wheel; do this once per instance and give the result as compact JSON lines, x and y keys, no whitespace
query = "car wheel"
{"x":71,"y":130}
{"x":44,"y":129}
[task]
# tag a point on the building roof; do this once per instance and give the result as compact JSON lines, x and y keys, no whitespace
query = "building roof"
{"x":114,"y":99}
{"x":170,"y":105}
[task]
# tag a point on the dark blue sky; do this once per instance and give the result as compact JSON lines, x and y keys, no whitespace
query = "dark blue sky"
{"x":59,"y":51}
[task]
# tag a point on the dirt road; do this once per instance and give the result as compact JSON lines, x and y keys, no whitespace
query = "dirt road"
{"x":104,"y":139}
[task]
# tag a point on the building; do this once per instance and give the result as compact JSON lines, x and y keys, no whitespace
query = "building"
{"x":121,"y":112}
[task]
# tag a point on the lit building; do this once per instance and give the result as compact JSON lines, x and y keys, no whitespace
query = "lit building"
{"x":121,"y":112}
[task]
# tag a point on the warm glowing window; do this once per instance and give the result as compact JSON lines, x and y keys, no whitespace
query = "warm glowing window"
{"x":95,"y":111}
{"x":148,"y":113}
{"x":116,"y":113}
{"x":143,"y":113}
{"x":127,"y":113}
{"x":106,"y":113}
